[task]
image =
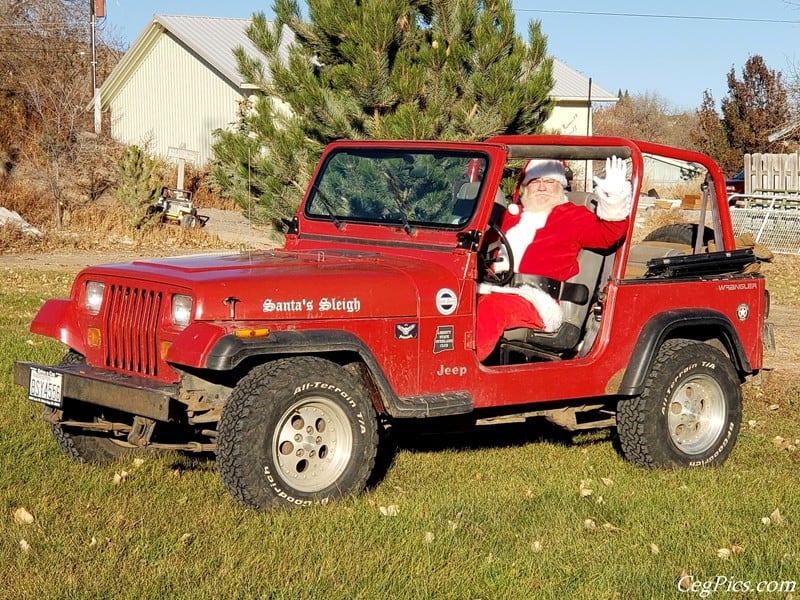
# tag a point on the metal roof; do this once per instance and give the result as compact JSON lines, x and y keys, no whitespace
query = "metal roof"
{"x":572,"y":85}
{"x":214,"y":38}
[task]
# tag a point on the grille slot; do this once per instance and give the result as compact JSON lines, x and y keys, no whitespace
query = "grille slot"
{"x":130,"y":334}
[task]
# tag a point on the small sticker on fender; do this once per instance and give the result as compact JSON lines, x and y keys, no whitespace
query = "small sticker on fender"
{"x":742,"y":312}
{"x":445,"y":339}
{"x":405,"y":331}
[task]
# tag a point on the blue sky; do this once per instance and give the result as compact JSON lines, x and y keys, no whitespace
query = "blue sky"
{"x":681,"y":49}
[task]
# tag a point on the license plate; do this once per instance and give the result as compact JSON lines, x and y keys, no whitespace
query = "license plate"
{"x":45,"y":387}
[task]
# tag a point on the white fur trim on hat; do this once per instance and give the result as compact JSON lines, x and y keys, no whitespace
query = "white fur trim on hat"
{"x":542,"y":167}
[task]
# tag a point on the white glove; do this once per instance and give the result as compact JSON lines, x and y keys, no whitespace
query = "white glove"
{"x":613,"y":192}
{"x":501,"y":264}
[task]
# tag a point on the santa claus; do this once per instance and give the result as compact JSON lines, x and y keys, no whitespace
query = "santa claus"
{"x":545,"y":233}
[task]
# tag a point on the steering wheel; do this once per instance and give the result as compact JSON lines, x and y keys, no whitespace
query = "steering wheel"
{"x":487,"y":257}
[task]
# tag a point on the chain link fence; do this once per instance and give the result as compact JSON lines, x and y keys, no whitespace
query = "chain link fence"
{"x":775,"y":226}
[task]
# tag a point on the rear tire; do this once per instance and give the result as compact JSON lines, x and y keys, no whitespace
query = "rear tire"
{"x":83,"y":446}
{"x":295,"y":432}
{"x":680,"y":233}
{"x":689,"y":412}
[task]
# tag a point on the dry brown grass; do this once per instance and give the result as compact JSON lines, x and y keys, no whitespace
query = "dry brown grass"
{"x":101,"y":224}
{"x":100,"y":227}
{"x":782,"y":274}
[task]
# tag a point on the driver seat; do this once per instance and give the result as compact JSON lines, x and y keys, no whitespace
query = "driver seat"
{"x":566,"y":341}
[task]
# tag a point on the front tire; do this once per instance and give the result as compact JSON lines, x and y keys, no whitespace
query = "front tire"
{"x":294,"y":432}
{"x":689,"y":412}
{"x":81,"y":445}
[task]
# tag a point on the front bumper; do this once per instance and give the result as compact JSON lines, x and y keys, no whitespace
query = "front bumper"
{"x":101,"y":387}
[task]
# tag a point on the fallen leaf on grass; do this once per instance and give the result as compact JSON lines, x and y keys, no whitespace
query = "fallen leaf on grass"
{"x":684,"y":581}
{"x":589,"y":525}
{"x":584,"y":488}
{"x":724,"y":553}
{"x":654,"y":549}
{"x":23,"y":517}
{"x":429,"y":537}
{"x":24,"y":545}
{"x":186,"y":539}
{"x":773,"y":407}
{"x":536,"y":546}
{"x":607,"y":482}
{"x":120,"y":477}
{"x":610,"y":527}
{"x":389,"y":511}
{"x":776,"y":517}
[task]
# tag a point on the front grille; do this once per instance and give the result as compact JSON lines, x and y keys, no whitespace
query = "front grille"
{"x":131,"y":325}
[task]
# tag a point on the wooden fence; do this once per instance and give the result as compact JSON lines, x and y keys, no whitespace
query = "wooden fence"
{"x":771,"y":173}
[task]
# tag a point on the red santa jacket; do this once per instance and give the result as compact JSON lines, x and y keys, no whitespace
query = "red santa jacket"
{"x":555,"y":247}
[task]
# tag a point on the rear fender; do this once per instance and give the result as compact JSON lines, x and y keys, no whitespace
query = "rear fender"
{"x":700,"y":325}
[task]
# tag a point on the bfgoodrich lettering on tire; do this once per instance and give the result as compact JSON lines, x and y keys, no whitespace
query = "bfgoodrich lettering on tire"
{"x":688,"y":414}
{"x":294,"y":432}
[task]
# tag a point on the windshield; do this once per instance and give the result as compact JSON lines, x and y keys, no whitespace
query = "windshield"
{"x":410,"y":188}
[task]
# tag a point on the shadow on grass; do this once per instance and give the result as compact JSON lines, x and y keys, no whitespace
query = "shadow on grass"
{"x":441,"y":435}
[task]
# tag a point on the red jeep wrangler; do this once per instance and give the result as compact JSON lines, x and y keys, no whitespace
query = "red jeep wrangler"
{"x":289,"y":364}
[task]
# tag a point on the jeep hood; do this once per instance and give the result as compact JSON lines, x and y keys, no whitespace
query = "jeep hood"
{"x":287,"y":285}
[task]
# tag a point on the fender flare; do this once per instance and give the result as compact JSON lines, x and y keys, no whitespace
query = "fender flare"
{"x":58,"y":319}
{"x":230,"y":351}
{"x":670,"y":324}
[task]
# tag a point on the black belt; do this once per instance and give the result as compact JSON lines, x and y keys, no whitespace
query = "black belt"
{"x":546,"y":284}
{"x":559,"y":290}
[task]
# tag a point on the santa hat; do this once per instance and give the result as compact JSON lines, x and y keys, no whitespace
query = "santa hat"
{"x":535,"y":168}
{"x":542,"y":167}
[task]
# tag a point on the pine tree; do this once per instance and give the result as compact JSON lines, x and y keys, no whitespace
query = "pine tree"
{"x":362,"y":69}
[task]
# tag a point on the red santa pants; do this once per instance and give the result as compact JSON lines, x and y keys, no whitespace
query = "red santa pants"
{"x":497,"y":312}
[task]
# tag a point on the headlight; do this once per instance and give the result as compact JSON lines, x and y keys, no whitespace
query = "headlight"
{"x":93,"y":298}
{"x":181,"y":310}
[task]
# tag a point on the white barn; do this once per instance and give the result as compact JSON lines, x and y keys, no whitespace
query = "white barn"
{"x":179,"y":82}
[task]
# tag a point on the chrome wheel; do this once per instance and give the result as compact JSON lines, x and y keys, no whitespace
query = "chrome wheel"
{"x":313,"y":444}
{"x":697,"y":415}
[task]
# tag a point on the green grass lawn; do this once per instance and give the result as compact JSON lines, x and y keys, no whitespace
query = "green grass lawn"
{"x":512,"y":512}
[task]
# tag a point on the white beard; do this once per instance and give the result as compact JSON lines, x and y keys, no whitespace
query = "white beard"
{"x":522,"y":234}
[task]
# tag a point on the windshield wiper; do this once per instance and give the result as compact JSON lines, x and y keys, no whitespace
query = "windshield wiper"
{"x":328,"y":207}
{"x":397,"y":193}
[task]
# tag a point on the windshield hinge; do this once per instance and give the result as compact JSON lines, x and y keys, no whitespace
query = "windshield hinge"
{"x":293,"y":226}
{"x":469,"y":240}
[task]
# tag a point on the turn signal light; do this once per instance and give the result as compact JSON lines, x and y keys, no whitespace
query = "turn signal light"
{"x":252,"y":333}
{"x":93,"y":337}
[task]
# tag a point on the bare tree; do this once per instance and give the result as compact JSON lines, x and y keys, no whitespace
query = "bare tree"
{"x":46,"y":86}
{"x":648,"y":117}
